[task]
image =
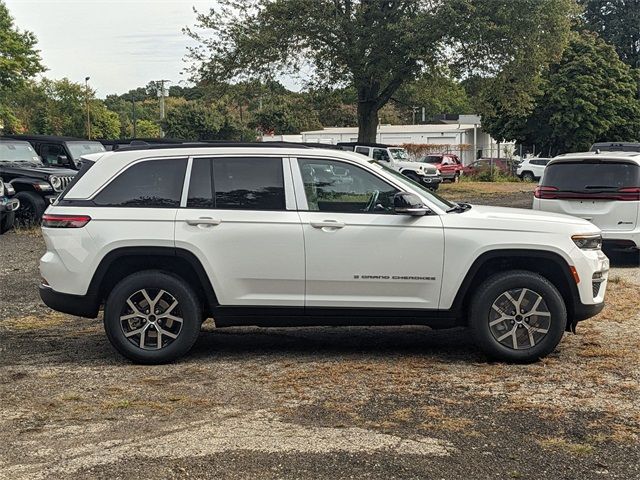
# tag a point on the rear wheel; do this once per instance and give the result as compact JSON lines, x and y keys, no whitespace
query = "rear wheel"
{"x":517,"y":316}
{"x":528,"y":177}
{"x":152,"y":317}
{"x":32,"y":206}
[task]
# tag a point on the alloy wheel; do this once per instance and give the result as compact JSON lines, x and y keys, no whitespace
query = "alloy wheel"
{"x":151,"y":319}
{"x":519,"y":318}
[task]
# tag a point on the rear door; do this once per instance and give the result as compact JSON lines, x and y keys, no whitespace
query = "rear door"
{"x":605,"y":193}
{"x":239,"y":218}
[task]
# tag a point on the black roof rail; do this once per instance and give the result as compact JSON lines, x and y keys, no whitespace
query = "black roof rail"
{"x":221,"y":144}
{"x":616,"y":147}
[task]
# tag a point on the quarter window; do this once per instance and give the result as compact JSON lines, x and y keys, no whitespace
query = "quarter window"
{"x":237,"y":184}
{"x":332,"y":186}
{"x":149,"y":184}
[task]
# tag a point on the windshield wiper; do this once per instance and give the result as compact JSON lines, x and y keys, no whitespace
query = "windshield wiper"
{"x":459,"y":207}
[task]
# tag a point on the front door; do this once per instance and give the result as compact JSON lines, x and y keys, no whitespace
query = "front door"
{"x":358,"y":252}
{"x":240,"y":218}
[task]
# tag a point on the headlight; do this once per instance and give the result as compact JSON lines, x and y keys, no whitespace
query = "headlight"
{"x":588,"y":242}
{"x":56,"y":183}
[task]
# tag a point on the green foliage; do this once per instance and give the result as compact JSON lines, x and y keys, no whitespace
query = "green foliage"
{"x":19,"y":59}
{"x":375,"y":47}
{"x":618,"y":22}
{"x":192,"y":120}
{"x":104,"y":122}
{"x":437,"y":93}
{"x":147,"y":129}
{"x":589,"y":95}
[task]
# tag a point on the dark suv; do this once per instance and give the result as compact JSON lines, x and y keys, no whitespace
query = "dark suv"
{"x":60,"y":151}
{"x":36,"y":184}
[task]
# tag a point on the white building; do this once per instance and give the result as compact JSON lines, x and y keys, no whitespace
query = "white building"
{"x":460,"y":138}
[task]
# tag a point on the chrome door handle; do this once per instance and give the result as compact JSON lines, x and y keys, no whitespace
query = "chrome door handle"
{"x":327,"y":224}
{"x":203,"y":221}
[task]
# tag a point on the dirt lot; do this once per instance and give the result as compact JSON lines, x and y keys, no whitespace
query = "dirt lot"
{"x":314,"y":403}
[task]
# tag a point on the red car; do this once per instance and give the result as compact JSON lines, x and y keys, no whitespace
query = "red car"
{"x":448,"y":164}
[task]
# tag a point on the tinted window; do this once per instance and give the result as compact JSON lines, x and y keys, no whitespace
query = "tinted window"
{"x":362,"y":150}
{"x":154,"y":183}
{"x":592,"y":177}
{"x":238,"y":184}
{"x":332,"y":186}
{"x":200,"y":189}
{"x":432,"y":159}
{"x":50,"y":154}
{"x":380,"y":154}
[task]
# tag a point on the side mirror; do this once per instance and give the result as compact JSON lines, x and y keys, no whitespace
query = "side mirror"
{"x":62,"y":159}
{"x":405,"y":203}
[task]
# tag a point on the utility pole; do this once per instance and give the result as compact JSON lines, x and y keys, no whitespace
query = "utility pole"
{"x":161,"y":95}
{"x":133,"y":102}
{"x":86,"y":101}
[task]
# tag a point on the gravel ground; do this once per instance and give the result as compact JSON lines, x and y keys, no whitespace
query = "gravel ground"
{"x":313,"y":403}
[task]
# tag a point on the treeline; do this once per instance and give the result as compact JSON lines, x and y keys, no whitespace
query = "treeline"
{"x":588,"y":92}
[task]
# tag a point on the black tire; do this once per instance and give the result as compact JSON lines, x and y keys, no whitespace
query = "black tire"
{"x":32,"y":206}
{"x":527,"y":177}
{"x":188,"y":307}
{"x":456,"y":177}
{"x":6,"y":222}
{"x":492,"y":290}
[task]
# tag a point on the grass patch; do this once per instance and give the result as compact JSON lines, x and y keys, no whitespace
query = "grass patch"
{"x":36,"y":322}
{"x":485,"y":188}
{"x":562,"y":445}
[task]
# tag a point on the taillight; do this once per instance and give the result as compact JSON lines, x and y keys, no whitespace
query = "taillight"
{"x":65,"y":221}
{"x":545,"y":192}
{"x":629,"y":193}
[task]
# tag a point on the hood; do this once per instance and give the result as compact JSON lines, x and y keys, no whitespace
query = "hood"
{"x":425,"y":167}
{"x":42,"y":170}
{"x":504,"y":218}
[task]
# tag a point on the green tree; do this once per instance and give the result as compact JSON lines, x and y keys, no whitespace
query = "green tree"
{"x":590,"y":95}
{"x":375,"y":46}
{"x":104,"y":122}
{"x":618,"y":22}
{"x":147,"y":129}
{"x":436,"y":93}
{"x":192,"y":120}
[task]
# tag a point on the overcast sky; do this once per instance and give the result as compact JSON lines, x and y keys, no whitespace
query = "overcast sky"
{"x":120,"y":44}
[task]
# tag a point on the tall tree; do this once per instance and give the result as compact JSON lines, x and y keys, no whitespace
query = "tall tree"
{"x":618,"y":22}
{"x":590,"y":95}
{"x":375,"y":46}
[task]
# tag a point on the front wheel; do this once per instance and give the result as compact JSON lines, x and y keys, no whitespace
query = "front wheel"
{"x":517,"y":316}
{"x":6,"y":222}
{"x":528,"y":177}
{"x":152,"y":317}
{"x":31,"y":208}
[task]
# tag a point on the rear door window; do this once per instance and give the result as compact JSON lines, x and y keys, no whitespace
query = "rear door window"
{"x":591,"y":177}
{"x":148,"y":184}
{"x":237,"y":184}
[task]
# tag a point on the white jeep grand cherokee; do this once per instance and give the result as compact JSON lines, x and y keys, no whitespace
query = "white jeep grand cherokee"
{"x":282,"y":235}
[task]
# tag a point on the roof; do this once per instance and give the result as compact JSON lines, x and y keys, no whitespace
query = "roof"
{"x":382,"y":129}
{"x":606,"y":156}
{"x":49,"y":138}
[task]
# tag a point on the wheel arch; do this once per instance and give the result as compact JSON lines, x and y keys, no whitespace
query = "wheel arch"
{"x":23,"y":184}
{"x":122,"y":262}
{"x":548,"y":264}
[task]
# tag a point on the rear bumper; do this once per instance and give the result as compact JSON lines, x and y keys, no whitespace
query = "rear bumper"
{"x":78,"y":305}
{"x":621,"y":239}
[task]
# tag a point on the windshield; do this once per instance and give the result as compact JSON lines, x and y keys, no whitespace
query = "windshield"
{"x":399,"y":154}
{"x":431,"y":159}
{"x":591,"y":177}
{"x":77,"y":149}
{"x":18,"y":152}
{"x":424,"y":191}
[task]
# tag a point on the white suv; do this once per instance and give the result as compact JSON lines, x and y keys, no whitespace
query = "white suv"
{"x":532,"y":168}
{"x":278,"y":235}
{"x":603,"y":188}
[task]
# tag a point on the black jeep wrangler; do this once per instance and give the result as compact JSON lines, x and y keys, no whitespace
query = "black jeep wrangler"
{"x":8,"y":206}
{"x":60,"y":151}
{"x":35,"y":184}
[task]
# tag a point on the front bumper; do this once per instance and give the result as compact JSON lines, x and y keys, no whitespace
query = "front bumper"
{"x":9,"y":204}
{"x":431,"y":180}
{"x":78,"y":305}
{"x":583,"y":312}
